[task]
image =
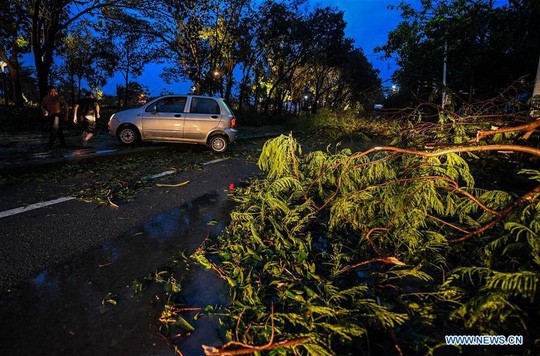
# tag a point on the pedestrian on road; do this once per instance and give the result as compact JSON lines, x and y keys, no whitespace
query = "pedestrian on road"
{"x":86,"y":112}
{"x":55,"y":108}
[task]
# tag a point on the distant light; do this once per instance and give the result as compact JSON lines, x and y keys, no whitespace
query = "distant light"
{"x":305,"y":97}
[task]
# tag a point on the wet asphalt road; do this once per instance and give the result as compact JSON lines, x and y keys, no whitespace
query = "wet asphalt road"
{"x":59,"y":262}
{"x":65,"y":303}
{"x":38,"y":239}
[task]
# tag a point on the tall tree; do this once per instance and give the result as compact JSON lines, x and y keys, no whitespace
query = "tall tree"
{"x":85,"y":57}
{"x":13,"y":43}
{"x":486,"y":46}
{"x":202,"y":36}
{"x":49,"y":22}
{"x":132,"y":57}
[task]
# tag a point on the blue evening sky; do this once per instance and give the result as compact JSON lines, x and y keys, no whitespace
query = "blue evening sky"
{"x":368,"y":23}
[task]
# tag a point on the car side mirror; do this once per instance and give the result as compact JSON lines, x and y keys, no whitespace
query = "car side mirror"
{"x":154,"y":110}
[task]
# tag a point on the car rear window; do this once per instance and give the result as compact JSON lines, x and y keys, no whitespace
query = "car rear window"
{"x":227,"y":107}
{"x":204,"y":106}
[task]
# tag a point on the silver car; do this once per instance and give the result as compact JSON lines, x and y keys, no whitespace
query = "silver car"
{"x":177,"y":118}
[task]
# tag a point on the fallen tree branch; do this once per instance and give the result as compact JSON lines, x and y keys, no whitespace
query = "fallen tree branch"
{"x":386,"y":260}
{"x":503,"y":214}
{"x":212,"y":351}
{"x":248,"y":349}
{"x":528,"y":128}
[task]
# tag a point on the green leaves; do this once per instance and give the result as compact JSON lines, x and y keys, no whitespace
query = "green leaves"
{"x":313,"y":245}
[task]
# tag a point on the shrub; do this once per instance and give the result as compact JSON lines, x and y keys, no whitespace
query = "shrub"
{"x":345,"y":124}
{"x":27,"y":118}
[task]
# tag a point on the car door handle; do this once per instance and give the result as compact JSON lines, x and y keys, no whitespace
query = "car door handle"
{"x":214,"y":116}
{"x":177,"y":115}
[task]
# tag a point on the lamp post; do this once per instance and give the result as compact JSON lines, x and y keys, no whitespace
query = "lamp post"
{"x":3,"y":66}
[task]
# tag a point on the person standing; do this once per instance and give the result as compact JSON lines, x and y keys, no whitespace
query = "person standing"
{"x":86,"y":111}
{"x":54,"y":107}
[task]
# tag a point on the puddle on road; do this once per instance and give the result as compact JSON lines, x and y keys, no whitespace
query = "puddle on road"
{"x":87,"y":151}
{"x":64,"y":310}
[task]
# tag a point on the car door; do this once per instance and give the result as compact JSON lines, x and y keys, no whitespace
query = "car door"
{"x":203,"y":116}
{"x":164,"y":119}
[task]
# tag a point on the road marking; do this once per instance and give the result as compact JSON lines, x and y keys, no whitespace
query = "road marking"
{"x":23,"y":209}
{"x":162,"y":174}
{"x":214,"y":161}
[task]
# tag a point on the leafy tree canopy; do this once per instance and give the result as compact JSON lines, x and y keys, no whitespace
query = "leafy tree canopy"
{"x":487,"y":46}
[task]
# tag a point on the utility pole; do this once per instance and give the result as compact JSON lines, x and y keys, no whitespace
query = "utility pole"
{"x":535,"y":101}
{"x":445,"y":61}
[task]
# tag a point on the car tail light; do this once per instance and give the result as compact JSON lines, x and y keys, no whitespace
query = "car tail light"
{"x":233,"y":122}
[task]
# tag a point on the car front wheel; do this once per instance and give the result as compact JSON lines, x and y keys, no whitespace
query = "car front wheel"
{"x":218,"y":143}
{"x":128,"y":135}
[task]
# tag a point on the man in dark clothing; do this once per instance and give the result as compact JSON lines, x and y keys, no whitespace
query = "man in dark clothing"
{"x":54,"y":107}
{"x":86,"y":111}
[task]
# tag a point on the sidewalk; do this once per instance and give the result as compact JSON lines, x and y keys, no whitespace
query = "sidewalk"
{"x":25,"y":151}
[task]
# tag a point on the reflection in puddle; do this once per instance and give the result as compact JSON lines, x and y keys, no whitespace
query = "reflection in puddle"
{"x":67,"y":309}
{"x":40,"y":279}
{"x":79,"y":153}
{"x":104,"y":151}
{"x":87,"y":151}
{"x":203,"y":287}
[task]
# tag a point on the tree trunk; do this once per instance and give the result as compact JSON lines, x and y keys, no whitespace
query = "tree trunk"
{"x":79,"y":88}
{"x":72,"y":85}
{"x":243,"y":87}
{"x":126,"y":90}
{"x":256,"y":97}
{"x":43,"y":41}
{"x":471,"y":88}
{"x":13,"y":68}
{"x":228,"y":87}
{"x":119,"y":96}
{"x":16,"y":82}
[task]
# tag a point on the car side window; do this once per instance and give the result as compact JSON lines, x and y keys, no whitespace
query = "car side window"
{"x":204,"y":106}
{"x":172,"y":104}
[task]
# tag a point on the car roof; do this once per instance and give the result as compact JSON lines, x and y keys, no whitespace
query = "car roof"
{"x":191,"y":95}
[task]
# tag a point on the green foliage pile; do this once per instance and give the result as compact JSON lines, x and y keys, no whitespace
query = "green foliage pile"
{"x":345,"y":124}
{"x":346,"y":253}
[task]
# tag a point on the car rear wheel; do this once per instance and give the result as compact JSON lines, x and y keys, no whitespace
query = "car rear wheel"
{"x":128,"y":135}
{"x":218,"y":143}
